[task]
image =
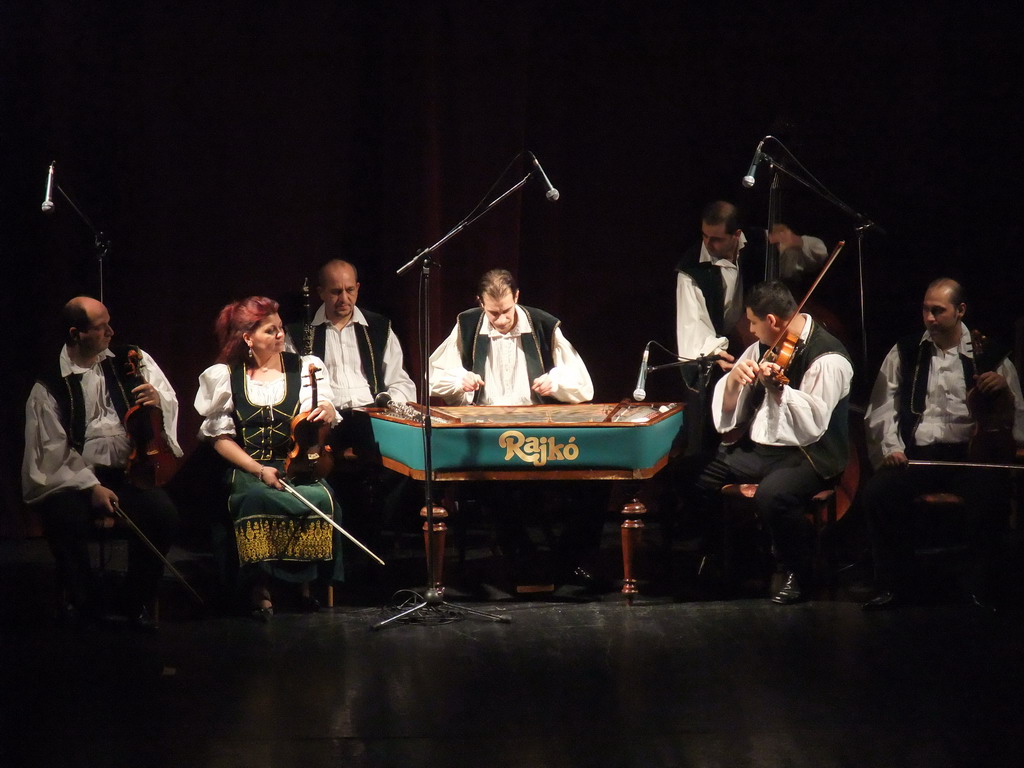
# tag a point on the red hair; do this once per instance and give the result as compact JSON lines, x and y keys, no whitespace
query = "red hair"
{"x":239,"y":317}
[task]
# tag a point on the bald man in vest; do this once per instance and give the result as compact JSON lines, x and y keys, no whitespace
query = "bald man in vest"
{"x":76,"y":452}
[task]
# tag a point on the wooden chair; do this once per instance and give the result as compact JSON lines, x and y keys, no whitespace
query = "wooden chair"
{"x":821,"y":512}
{"x":940,"y":526}
{"x":110,"y":543}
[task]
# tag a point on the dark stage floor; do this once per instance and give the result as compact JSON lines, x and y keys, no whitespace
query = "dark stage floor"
{"x":676,"y":679}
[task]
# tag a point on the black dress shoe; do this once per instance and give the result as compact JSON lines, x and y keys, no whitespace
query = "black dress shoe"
{"x":883,"y":601}
{"x":790,"y":591}
{"x":263,"y":614}
{"x":586,"y":580}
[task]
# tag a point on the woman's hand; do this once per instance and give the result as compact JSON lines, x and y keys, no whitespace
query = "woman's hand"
{"x":271,"y":477}
{"x":325,"y":411}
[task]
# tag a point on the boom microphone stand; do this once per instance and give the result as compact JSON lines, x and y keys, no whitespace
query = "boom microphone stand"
{"x":433,"y":602}
{"x":102,"y":244}
{"x":863,"y":222}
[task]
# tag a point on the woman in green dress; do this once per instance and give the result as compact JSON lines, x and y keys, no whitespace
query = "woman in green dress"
{"x":248,"y":400}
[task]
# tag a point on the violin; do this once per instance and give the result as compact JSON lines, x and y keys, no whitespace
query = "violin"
{"x":993,"y":414}
{"x":151,"y":462}
{"x":310,"y":458}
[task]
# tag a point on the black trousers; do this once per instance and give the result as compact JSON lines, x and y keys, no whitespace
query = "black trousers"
{"x":888,"y":502}
{"x":68,"y":520}
{"x":786,"y":483}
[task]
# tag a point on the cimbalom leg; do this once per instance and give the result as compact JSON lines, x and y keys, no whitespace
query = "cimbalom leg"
{"x":631,"y":531}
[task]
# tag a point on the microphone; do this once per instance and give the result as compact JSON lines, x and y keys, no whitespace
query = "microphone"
{"x":748,"y":180}
{"x":382,"y":400}
{"x":552,"y":193}
{"x":640,"y":393}
{"x":48,"y":202}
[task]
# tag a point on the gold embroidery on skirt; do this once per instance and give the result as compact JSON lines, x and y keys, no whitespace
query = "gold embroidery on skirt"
{"x":260,"y":540}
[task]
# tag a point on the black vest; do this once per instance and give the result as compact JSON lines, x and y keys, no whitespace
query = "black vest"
{"x":371,"y":339}
{"x":915,"y":355}
{"x":475,"y":347}
{"x":264,"y":431}
{"x":829,"y":455}
{"x":709,"y":279}
{"x":67,"y":391}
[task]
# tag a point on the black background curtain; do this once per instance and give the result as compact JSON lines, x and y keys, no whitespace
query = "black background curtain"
{"x":228,"y":148}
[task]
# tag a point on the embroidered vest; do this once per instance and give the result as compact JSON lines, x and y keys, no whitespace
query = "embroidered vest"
{"x":264,"y":431}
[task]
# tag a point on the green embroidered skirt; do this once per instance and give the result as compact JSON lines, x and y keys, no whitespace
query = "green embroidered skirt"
{"x":281,"y":534}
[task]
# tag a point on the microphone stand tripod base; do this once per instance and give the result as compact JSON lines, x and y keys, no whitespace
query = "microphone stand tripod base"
{"x":432,"y":602}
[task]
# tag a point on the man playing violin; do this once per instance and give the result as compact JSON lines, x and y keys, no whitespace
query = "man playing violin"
{"x":920,"y":410}
{"x":711,"y":278}
{"x":76,"y":452}
{"x":792,"y":415}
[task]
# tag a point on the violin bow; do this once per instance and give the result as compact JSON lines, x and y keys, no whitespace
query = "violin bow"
{"x":145,"y":540}
{"x":803,"y":301}
{"x":969,"y":464}
{"x":340,"y":530}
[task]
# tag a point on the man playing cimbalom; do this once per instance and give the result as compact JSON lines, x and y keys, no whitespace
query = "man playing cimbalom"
{"x":504,"y":353}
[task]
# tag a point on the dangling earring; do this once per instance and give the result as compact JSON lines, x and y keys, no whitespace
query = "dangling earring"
{"x":250,"y":352}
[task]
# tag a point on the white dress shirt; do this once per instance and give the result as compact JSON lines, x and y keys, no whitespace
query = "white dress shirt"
{"x":50,"y":464}
{"x":345,"y":367}
{"x":695,"y":334}
{"x":802,"y":415}
{"x":216,"y":404}
{"x":506,"y":380}
{"x":945,"y":418}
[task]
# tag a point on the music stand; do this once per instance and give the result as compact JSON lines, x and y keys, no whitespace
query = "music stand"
{"x":433,"y":602}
